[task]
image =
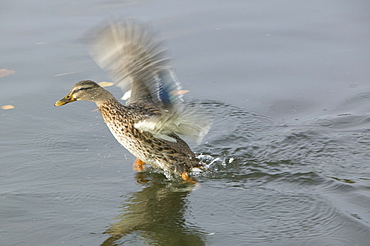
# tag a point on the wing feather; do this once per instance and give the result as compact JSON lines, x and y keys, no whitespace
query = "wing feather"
{"x":139,"y":63}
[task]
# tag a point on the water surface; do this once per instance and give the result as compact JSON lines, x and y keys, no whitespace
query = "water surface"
{"x":287,"y":83}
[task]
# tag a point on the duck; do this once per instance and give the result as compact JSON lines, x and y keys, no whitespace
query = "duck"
{"x":155,"y":115}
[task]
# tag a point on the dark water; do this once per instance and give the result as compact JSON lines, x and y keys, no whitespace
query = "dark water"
{"x":289,"y":151}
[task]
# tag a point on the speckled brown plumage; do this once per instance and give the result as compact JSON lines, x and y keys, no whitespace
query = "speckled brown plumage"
{"x":173,"y":157}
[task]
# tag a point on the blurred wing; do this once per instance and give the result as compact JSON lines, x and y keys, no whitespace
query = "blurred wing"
{"x":139,"y":63}
{"x":192,"y":123}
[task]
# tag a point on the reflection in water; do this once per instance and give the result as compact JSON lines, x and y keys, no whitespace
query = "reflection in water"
{"x":156,"y":215}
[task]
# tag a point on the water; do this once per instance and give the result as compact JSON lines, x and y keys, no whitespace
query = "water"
{"x":287,"y":83}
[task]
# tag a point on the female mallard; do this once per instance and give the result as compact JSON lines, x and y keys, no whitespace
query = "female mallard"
{"x":148,"y":126}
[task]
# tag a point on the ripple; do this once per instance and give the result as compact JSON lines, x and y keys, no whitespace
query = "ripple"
{"x":342,"y":121}
{"x":328,"y":241}
{"x":275,"y":215}
{"x":365,"y":139}
{"x":241,"y":144}
{"x":364,"y":95}
{"x":274,"y":178}
{"x":275,"y":175}
{"x":325,"y":122}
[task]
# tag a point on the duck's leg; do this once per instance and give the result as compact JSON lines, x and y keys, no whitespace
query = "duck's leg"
{"x":139,"y":165}
{"x":186,"y":177}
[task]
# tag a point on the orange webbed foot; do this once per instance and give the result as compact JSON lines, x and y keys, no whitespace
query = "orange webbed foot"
{"x":139,"y":165}
{"x":186,"y":177}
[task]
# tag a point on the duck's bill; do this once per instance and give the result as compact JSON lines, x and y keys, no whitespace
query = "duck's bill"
{"x":65,"y":100}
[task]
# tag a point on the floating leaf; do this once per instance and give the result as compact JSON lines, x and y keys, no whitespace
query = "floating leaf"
{"x":105,"y":84}
{"x":94,"y":110}
{"x":7,"y":107}
{"x":179,"y":92}
{"x":5,"y":72}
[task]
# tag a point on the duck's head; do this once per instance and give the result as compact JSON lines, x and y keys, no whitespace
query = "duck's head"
{"x":86,"y":90}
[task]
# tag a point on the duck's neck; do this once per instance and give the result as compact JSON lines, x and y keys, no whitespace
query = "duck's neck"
{"x":103,"y":97}
{"x":106,"y":101}
{"x":110,"y":104}
{"x":113,"y":110}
